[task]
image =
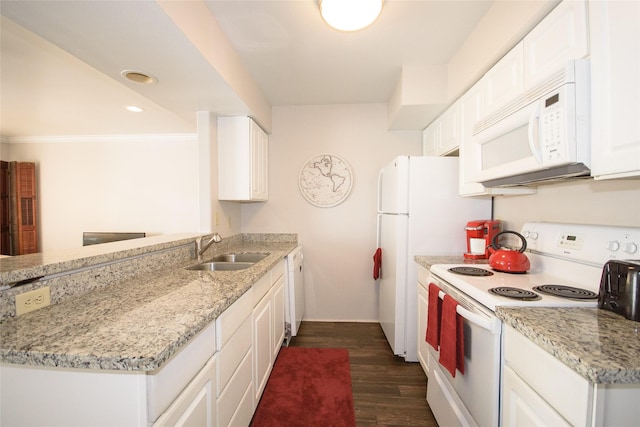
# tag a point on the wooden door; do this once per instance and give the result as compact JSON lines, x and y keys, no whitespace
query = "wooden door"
{"x":24,"y":225}
{"x":5,"y":231}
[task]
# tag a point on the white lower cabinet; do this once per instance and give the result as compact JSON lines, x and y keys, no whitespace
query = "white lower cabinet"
{"x":262,"y":336}
{"x":423,"y":308}
{"x":196,"y":404}
{"x":208,"y":383}
{"x":523,"y":406}
{"x":268,"y":326}
{"x":540,"y":390}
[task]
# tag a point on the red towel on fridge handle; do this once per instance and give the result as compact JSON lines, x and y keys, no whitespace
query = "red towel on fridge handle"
{"x":451,"y":337}
{"x":377,"y":263}
{"x":433,"y":316}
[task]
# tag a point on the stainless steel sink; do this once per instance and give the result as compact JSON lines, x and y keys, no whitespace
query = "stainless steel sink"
{"x":251,"y":257}
{"x":221,"y":266}
{"x":230,"y":262}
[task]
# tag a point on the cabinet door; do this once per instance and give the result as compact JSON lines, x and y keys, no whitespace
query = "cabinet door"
{"x":195,"y":407}
{"x":561,"y":36}
{"x":259,"y":163}
{"x":615,"y":88}
{"x":262,"y":348}
{"x":430,"y":140}
{"x":504,"y":82}
{"x":242,"y":160}
{"x":522,"y":406}
{"x":423,"y":307}
{"x":277,"y":300}
{"x":450,"y":130}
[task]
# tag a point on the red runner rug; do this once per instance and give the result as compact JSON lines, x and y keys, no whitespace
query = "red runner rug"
{"x":308,"y":387}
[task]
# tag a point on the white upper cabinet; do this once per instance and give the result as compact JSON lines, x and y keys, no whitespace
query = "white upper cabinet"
{"x":242,"y":160}
{"x":561,"y":36}
{"x":504,"y":81}
{"x":615,"y":90}
{"x":430,"y":139}
{"x":442,"y":137}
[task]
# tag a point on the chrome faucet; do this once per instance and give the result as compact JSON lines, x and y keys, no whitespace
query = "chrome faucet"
{"x":200,"y":248}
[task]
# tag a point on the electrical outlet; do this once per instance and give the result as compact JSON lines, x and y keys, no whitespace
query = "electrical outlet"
{"x":33,"y":300}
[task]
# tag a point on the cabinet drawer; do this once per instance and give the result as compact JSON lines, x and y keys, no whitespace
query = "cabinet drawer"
{"x":569,"y":393}
{"x":231,"y":355}
{"x":229,"y":401}
{"x":423,"y":276}
{"x":277,"y":271}
{"x":164,"y":386}
{"x":232,"y":318}
{"x":261,"y":288}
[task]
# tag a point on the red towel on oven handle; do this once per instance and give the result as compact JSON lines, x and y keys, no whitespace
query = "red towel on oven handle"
{"x":377,"y":263}
{"x":433,"y":316}
{"x":451,"y":337}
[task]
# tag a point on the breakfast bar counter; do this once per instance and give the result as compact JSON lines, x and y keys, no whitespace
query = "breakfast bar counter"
{"x":137,"y":323}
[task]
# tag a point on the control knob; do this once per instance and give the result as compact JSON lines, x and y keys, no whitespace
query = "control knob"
{"x":630,"y":248}
{"x":613,"y":245}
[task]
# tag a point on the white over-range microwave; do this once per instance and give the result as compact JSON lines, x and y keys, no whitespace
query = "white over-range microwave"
{"x":542,"y":135}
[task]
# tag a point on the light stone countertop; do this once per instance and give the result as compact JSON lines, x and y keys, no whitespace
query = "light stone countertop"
{"x":602,"y":346}
{"x":135,"y":325}
{"x":427,"y":261}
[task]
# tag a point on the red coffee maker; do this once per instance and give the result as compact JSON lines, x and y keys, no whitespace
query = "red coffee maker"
{"x":480,"y":234}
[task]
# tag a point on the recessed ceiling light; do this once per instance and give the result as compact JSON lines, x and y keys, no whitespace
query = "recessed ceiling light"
{"x":134,"y":109}
{"x":350,"y":15}
{"x":138,"y":77}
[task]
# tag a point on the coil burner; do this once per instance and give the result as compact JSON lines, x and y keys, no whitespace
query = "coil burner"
{"x":470,"y":271}
{"x":515,"y":293}
{"x":563,"y":291}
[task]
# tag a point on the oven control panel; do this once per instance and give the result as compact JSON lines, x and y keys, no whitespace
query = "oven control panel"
{"x":587,"y":243}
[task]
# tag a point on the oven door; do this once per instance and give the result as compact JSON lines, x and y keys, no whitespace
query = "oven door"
{"x":471,"y":399}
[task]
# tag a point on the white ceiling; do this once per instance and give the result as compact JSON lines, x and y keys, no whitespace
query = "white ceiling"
{"x":61,"y":60}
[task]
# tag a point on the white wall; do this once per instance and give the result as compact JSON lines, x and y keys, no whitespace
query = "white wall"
{"x":114,"y":183}
{"x":611,"y":202}
{"x":338,"y":242}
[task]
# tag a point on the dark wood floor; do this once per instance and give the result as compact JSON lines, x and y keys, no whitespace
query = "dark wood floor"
{"x":387,"y":391}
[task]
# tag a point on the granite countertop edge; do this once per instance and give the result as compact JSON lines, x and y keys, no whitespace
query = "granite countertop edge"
{"x":134,"y":325}
{"x":605,"y":351}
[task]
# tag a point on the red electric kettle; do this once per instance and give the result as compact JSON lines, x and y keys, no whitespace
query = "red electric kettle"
{"x":506,"y":259}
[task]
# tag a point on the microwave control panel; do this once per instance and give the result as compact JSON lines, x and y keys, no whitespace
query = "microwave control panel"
{"x":551,"y":128}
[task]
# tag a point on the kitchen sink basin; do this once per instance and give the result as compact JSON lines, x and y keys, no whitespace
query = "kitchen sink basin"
{"x":251,"y":257}
{"x":230,"y":262}
{"x":221,"y":266}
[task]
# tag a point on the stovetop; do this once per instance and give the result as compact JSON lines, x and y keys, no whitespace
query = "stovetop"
{"x":477,"y":287}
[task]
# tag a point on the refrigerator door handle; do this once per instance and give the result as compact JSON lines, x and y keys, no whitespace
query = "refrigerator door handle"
{"x":379,"y":209}
{"x":378,"y":221}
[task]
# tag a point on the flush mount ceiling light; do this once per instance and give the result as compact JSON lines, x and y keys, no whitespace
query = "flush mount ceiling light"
{"x":134,"y":108}
{"x":350,"y":15}
{"x":138,"y":77}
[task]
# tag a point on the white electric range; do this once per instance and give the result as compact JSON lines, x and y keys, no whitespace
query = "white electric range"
{"x":569,"y":257}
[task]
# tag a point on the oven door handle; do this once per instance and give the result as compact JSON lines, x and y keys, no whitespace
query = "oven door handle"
{"x":492,"y":325}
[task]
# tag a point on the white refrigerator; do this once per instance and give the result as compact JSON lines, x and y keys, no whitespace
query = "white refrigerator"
{"x":419,"y":213}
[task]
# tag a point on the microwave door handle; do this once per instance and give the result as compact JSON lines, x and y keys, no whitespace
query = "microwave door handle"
{"x":534,"y":134}
{"x":491,"y":325}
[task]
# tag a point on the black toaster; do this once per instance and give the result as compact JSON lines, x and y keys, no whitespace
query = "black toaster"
{"x":620,"y":288}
